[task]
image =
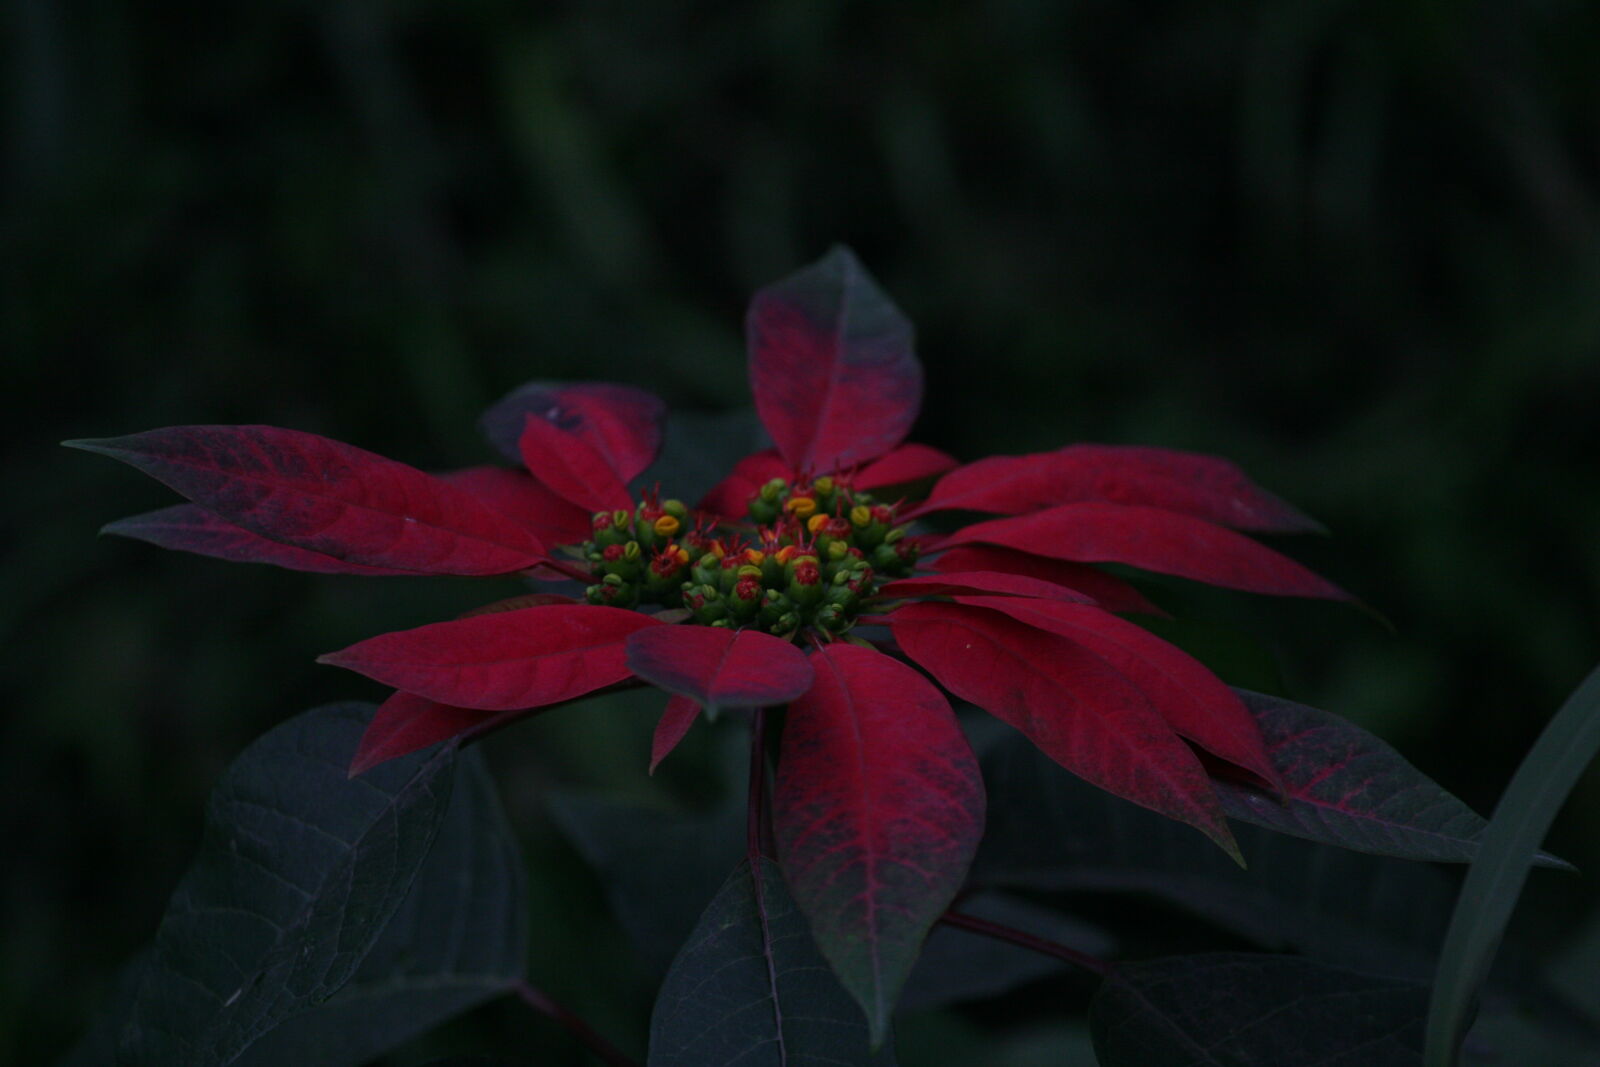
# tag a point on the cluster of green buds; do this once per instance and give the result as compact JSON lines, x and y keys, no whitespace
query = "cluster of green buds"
{"x":818,"y":553}
{"x":640,"y":556}
{"x":842,"y":522}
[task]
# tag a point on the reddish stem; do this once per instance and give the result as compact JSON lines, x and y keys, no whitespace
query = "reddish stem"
{"x":755,"y":838}
{"x":540,"y":1001}
{"x":1026,"y":940}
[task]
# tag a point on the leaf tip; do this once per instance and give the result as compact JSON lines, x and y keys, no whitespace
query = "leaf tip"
{"x":102,"y":445}
{"x":1223,"y":836}
{"x":1552,"y":862}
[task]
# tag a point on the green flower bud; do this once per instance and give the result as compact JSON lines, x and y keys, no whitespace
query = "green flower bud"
{"x":612,"y":528}
{"x":774,"y":606}
{"x":706,"y":570}
{"x":805,"y":581}
{"x":613,"y":592}
{"x":831,"y":618}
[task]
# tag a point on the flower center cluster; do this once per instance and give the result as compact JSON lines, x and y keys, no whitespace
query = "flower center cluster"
{"x":811,"y":554}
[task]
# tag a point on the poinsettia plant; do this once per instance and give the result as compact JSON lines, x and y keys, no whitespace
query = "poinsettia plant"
{"x":837,"y":591}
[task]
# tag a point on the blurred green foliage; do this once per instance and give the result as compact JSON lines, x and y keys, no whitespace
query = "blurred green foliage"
{"x":1352,"y":246}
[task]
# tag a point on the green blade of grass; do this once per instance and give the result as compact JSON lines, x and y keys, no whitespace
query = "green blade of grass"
{"x":1505,"y":854}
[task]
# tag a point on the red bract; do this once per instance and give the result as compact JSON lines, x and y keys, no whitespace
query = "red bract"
{"x":751,"y":599}
{"x":878,"y":810}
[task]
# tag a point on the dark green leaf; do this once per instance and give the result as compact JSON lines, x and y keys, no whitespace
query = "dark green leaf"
{"x":460,"y":938}
{"x":1348,"y":788}
{"x":957,"y":965}
{"x":1233,"y":1009}
{"x":1048,"y":830}
{"x":299,"y":871}
{"x":1494,"y":882}
{"x":658,"y":867}
{"x":750,"y":987}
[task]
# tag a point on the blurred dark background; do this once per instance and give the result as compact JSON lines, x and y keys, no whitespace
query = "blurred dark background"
{"x":1351,"y":246}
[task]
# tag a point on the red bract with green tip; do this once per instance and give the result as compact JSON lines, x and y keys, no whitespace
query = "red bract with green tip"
{"x":805,"y":579}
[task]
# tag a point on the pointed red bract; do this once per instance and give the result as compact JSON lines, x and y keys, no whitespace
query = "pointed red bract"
{"x":504,"y":660}
{"x":620,"y":422}
{"x":835,"y":379}
{"x":1195,"y":702}
{"x":1075,"y":707}
{"x":520,"y":496}
{"x":328,"y":497}
{"x":1205,"y":487}
{"x":572,"y":468}
{"x":877,"y":811}
{"x":674,"y":723}
{"x":719,"y":667}
{"x":730,"y":497}
{"x":908,"y":463}
{"x":1107,"y":590}
{"x":191,"y":528}
{"x":406,"y":722}
{"x":1161,"y":541}
{"x":978,"y":583}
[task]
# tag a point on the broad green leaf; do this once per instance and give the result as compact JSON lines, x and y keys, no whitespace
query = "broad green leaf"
{"x":1494,"y":881}
{"x":1235,"y":1009}
{"x":460,"y":938}
{"x":299,"y":871}
{"x":1346,"y":787}
{"x":658,"y":867}
{"x":750,"y":988}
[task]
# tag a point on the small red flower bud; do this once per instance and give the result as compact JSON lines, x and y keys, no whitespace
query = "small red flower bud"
{"x":806,"y":571}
